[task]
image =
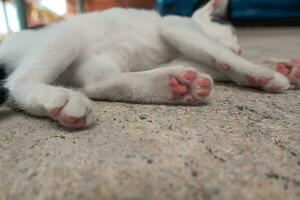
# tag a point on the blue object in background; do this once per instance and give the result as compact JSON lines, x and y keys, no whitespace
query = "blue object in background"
{"x":177,"y":7}
{"x":239,"y":9}
{"x":264,"y":9}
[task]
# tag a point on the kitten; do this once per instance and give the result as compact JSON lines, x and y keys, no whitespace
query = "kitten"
{"x":133,"y":56}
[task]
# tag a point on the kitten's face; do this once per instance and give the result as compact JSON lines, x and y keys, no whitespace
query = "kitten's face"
{"x":212,"y":20}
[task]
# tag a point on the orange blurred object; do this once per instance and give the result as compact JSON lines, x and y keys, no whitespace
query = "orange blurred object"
{"x":93,"y":5}
{"x":37,"y":15}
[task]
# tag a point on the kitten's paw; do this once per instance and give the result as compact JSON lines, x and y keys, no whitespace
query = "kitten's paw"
{"x":274,"y":83}
{"x":71,"y":109}
{"x":190,"y":87}
{"x":288,"y":68}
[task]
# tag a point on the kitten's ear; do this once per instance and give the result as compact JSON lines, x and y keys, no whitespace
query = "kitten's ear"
{"x":216,"y":8}
{"x":220,"y":8}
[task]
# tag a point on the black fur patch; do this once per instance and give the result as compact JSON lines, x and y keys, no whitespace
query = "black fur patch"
{"x":3,"y":95}
{"x":2,"y":72}
{"x":3,"y":91}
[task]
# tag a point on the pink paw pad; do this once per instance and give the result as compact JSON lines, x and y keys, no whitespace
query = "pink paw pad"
{"x":74,"y":122}
{"x":204,"y":83}
{"x":257,"y":81}
{"x":189,"y":76}
{"x":190,"y":88}
{"x":205,"y":86}
{"x":283,"y":69}
{"x":178,"y":88}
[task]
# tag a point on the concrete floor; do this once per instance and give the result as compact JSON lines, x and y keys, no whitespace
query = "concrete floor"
{"x":244,"y":145}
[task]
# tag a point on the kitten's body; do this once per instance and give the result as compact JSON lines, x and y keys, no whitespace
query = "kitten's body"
{"x":128,"y":55}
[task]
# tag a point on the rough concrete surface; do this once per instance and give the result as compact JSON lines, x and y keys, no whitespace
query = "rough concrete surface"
{"x":244,"y":145}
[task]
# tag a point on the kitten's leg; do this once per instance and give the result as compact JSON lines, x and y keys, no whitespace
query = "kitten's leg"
{"x":29,"y":84}
{"x":203,"y":68}
{"x":170,"y":85}
{"x":289,"y":68}
{"x":186,"y":36}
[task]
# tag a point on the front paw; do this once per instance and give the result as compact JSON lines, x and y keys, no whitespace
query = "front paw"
{"x":70,"y":109}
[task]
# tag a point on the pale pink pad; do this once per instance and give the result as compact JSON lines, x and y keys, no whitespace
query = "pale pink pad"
{"x":204,"y":83}
{"x":294,"y":62}
{"x":257,"y":81}
{"x":80,"y":123}
{"x":273,"y":89}
{"x":225,"y":67}
{"x":73,"y":121}
{"x":190,"y":76}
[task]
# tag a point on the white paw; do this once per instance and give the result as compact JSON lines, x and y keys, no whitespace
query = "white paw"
{"x":288,"y":68}
{"x":70,"y":108}
{"x":277,"y":84}
{"x":266,"y":79}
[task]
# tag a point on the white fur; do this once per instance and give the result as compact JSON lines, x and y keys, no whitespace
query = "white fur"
{"x":119,"y":54}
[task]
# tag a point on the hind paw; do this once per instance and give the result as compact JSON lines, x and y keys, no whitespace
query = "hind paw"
{"x":190,"y":87}
{"x":276,"y":83}
{"x":288,"y":68}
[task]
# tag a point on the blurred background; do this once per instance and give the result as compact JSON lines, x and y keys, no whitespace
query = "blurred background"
{"x":16,"y":15}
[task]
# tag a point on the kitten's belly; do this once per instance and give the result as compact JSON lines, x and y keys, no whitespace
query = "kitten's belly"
{"x":135,"y":53}
{"x":134,"y":45}
{"x":145,"y":56}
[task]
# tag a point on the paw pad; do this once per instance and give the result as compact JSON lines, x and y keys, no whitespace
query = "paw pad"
{"x":204,"y":83}
{"x":75,"y":111}
{"x":257,"y":81}
{"x":225,"y":67}
{"x":190,"y":76}
{"x":283,"y":69}
{"x":177,"y":87}
{"x":74,"y":122}
{"x":189,"y":88}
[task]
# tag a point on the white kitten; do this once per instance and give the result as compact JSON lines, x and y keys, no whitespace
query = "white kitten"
{"x":130,"y":55}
